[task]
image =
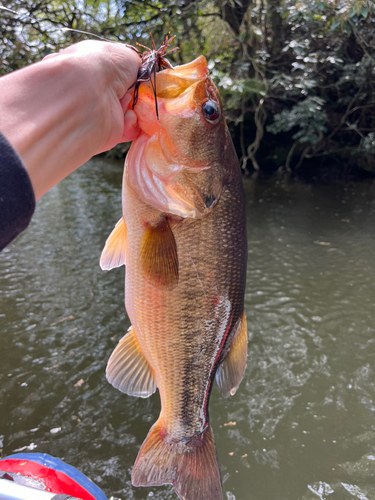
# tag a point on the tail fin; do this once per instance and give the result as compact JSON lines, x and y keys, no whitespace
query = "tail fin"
{"x":191,"y":467}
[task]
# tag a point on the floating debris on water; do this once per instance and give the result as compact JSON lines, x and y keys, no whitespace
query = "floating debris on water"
{"x":55,"y":430}
{"x":61,"y":320}
{"x":30,"y":447}
{"x":79,"y":383}
{"x":322,"y":243}
{"x":51,"y":367}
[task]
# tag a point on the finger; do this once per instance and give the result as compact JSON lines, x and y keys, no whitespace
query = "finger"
{"x":131,"y":127}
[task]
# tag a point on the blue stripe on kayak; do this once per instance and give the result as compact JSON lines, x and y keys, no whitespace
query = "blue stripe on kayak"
{"x":60,"y":466}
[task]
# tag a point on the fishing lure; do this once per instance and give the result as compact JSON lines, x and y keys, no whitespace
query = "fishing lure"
{"x":153,"y":60}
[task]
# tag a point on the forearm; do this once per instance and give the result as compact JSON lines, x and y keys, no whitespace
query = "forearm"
{"x":41,"y":121}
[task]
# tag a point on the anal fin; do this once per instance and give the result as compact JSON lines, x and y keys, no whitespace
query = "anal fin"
{"x":128,"y":370}
{"x":232,"y":369}
{"x":113,"y":254}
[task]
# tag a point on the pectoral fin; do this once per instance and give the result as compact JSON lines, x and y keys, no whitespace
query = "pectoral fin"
{"x":128,"y":370}
{"x":232,"y":369}
{"x":113,"y":254}
{"x":158,"y":255}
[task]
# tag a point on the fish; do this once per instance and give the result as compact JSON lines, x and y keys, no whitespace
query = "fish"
{"x":182,"y":238}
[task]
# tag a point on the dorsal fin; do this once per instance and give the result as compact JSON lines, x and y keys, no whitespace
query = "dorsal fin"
{"x":113,"y":254}
{"x":158,"y":255}
{"x":128,"y":370}
{"x":232,"y":369}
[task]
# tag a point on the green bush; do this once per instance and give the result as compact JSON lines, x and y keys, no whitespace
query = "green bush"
{"x":291,"y":73}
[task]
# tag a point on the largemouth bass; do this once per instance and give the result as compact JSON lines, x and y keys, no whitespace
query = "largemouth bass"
{"x":183,"y":240}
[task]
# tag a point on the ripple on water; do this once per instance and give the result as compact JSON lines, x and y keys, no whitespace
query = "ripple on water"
{"x":303,"y":421}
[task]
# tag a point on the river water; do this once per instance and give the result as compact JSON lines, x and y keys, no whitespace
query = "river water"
{"x":302,"y":424}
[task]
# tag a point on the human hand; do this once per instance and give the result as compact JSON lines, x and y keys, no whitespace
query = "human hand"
{"x":111,"y":68}
{"x":60,"y":112}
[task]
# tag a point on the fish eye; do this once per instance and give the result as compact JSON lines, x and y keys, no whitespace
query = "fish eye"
{"x":211,"y":111}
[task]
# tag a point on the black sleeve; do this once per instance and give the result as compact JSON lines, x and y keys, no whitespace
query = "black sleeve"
{"x":17,"y":199}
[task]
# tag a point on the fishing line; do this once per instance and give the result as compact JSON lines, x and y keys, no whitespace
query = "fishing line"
{"x":53,"y":30}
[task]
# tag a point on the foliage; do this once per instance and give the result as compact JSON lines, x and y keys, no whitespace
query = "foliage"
{"x":301,"y":71}
{"x":307,"y":115}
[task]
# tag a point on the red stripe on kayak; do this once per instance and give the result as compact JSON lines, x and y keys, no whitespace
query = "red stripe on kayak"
{"x":55,"y":481}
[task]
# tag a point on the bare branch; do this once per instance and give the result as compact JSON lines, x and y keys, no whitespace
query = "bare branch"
{"x":259,"y":119}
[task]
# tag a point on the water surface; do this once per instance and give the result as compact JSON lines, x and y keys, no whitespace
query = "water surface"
{"x":302,"y":424}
